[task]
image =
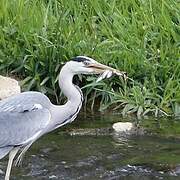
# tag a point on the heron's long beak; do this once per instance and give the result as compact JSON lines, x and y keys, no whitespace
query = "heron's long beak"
{"x":101,"y":68}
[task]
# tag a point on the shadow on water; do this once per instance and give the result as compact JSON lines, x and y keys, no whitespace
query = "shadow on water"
{"x":61,"y":156}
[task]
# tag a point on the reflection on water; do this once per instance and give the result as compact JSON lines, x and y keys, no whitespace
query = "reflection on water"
{"x":61,"y":156}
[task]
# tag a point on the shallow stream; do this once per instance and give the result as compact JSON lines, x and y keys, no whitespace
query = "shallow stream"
{"x":60,"y":155}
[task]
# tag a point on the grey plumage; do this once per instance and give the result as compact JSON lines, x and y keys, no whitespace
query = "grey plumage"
{"x":4,"y":151}
{"x":24,"y":100}
{"x":25,"y":126}
{"x":26,"y":120}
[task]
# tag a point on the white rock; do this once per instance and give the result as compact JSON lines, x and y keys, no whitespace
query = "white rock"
{"x":122,"y":127}
{"x":8,"y":87}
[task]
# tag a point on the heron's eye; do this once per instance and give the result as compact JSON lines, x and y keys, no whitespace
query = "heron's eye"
{"x":86,"y":63}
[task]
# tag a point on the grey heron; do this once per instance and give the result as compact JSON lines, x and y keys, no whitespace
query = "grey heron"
{"x":27,"y":116}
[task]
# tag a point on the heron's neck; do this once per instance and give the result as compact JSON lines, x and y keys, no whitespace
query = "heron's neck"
{"x":72,"y":92}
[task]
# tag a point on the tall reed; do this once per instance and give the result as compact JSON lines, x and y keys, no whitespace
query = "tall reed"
{"x":139,"y":37}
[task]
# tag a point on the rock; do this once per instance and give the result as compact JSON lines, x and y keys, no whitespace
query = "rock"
{"x":128,"y":129}
{"x":8,"y":87}
{"x":123,"y":127}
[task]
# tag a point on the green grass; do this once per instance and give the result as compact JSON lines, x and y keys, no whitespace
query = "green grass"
{"x":137,"y":36}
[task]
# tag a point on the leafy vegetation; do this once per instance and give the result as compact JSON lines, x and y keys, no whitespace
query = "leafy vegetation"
{"x":139,"y":37}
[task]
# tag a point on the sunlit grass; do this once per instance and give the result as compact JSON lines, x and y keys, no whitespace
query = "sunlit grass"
{"x":139,"y":37}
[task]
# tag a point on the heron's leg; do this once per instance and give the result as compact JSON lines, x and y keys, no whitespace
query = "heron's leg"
{"x":18,"y":161}
{"x":12,"y":154}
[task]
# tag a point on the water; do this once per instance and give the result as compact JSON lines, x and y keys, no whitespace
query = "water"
{"x":59,"y":155}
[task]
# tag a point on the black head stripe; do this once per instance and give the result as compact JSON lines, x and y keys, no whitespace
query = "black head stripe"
{"x":80,"y":59}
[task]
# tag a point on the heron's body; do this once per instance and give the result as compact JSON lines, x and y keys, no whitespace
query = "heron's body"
{"x":31,"y":114}
{"x":27,"y":116}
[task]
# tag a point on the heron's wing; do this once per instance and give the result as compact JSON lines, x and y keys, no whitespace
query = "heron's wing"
{"x":4,"y":151}
{"x":23,"y":127}
{"x":25,"y":101}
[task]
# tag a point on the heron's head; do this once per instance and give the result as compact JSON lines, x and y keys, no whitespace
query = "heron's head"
{"x":86,"y":65}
